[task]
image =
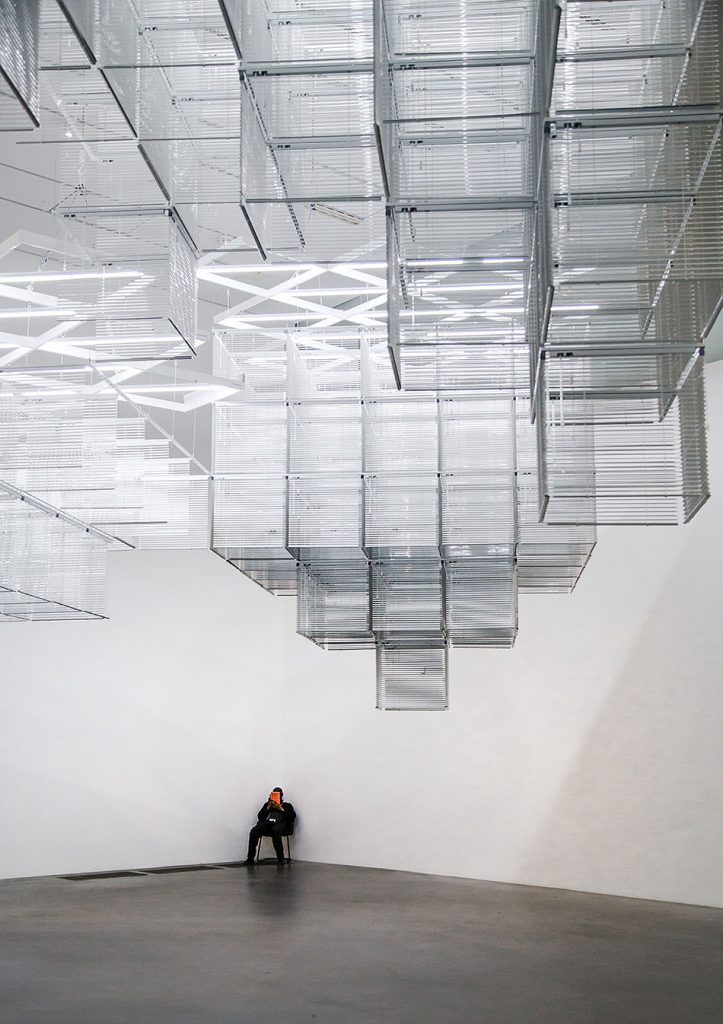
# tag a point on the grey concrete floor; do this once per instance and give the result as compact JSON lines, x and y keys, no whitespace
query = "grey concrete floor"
{"x":342,"y":945}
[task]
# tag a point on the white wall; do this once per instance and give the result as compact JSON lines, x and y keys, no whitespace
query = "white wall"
{"x":139,"y":741}
{"x":590,"y":755}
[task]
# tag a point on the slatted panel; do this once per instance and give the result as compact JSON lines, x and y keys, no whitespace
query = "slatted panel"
{"x":635,"y":158}
{"x":568,"y":269}
{"x":333,"y":604}
{"x":49,"y":567}
{"x":19,"y":89}
{"x":459,"y":91}
{"x":410,"y":679}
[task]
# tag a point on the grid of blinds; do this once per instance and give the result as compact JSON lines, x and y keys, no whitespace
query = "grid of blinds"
{"x":525,"y":200}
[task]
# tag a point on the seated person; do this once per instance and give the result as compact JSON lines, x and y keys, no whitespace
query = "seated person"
{"x":276,"y":819}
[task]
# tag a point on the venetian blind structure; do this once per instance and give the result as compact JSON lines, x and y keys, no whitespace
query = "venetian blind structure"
{"x":462,"y":258}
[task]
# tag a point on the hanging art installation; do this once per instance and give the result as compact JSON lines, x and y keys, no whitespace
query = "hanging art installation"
{"x":462,"y":258}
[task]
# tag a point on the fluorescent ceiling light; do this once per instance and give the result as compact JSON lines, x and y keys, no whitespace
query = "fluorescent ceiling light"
{"x":249,"y":319}
{"x":481,"y":311}
{"x":434,"y":263}
{"x":284,"y":318}
{"x":20,"y":314}
{"x":275,"y":268}
{"x":311,"y":293}
{"x":487,"y":260}
{"x":500,"y":287}
{"x":160,"y":388}
{"x":363,"y":289}
{"x":71,"y":275}
{"x":472,"y":332}
{"x":54,"y":392}
{"x":356,"y":266}
{"x":90,"y":342}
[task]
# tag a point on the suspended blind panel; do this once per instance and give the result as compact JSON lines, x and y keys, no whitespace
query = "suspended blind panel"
{"x":629,"y":56}
{"x":477,"y":435}
{"x":693,"y":442}
{"x":306,"y":33}
{"x":617,"y":383}
{"x":49,"y":568}
{"x":550,"y":559}
{"x":613,"y":236}
{"x":438,"y":359}
{"x":276,"y":575}
{"x":656,"y":174}
{"x":190,"y":102}
{"x":78,"y":101}
{"x":481,"y":602}
{"x":54,"y":439}
{"x":594,"y":25}
{"x":478,"y":490}
{"x":400,"y":436}
{"x":19,"y":90}
{"x":163,"y":507}
{"x":137,"y":33}
{"x":700,"y":254}
{"x":250,"y":438}
{"x":256,"y":360}
{"x":298,"y":153}
{"x":152,"y":314}
{"x":249,"y":517}
{"x":401,"y":515}
{"x":324,"y":364}
{"x":411,"y":679}
{"x":615,"y":320}
{"x":630,"y":473}
{"x":634,"y":159}
{"x":422,"y":94}
{"x":199,"y":170}
{"x":407,"y":598}
{"x":349,"y":230}
{"x":217,"y":227}
{"x":333,"y":604}
{"x":378,"y":379}
{"x":478,"y":514}
{"x":325,"y":515}
{"x":108,"y":313}
{"x":315,"y":108}
{"x":58,"y":44}
{"x":477,"y":235}
{"x":67,"y":444}
{"x":325,"y":438}
{"x":433,"y":28}
{"x":457,"y":282}
{"x":489,"y":161}
{"x":104,"y":174}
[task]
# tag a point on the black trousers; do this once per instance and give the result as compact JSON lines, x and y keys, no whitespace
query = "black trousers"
{"x":262,"y":829}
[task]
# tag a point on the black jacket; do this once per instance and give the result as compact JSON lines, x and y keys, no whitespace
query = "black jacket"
{"x":288,"y":815}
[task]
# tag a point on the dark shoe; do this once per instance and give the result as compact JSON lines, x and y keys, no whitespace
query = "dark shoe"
{"x":249,"y":862}
{"x":280,"y":860}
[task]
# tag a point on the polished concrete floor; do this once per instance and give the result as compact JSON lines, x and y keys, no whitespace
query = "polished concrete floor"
{"x":341,"y":945}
